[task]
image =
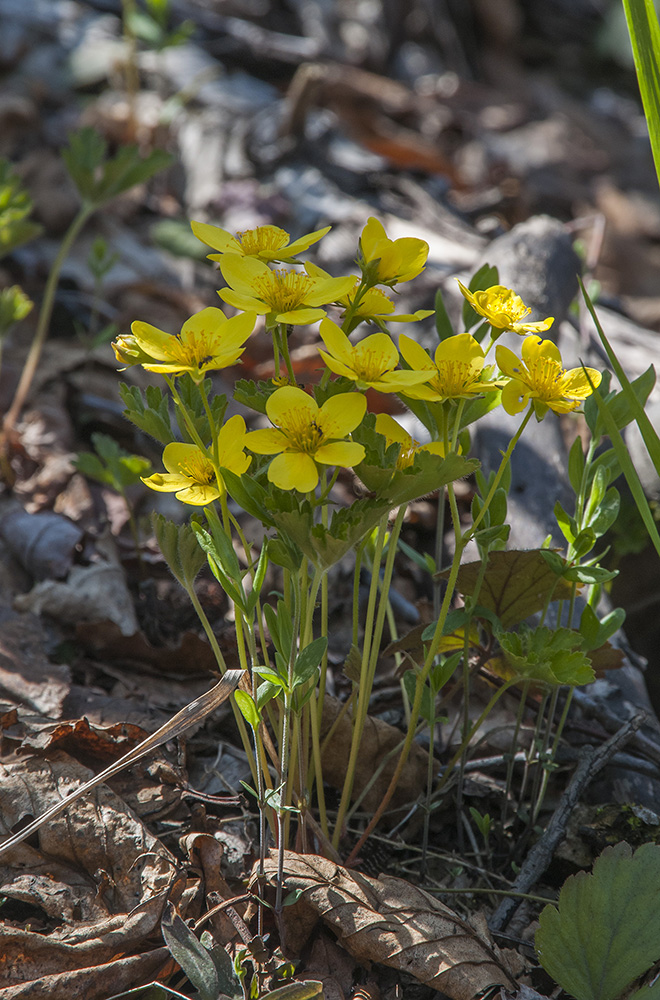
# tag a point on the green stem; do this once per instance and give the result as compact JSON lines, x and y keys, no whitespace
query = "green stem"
{"x":498,"y":475}
{"x":45,"y":314}
{"x":284,"y":331}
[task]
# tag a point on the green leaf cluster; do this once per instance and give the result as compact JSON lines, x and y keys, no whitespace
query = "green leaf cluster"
{"x":15,"y":207}
{"x":100,"y":177}
{"x":111,"y":465}
{"x":552,"y":657}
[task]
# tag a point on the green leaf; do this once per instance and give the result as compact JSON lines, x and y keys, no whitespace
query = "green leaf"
{"x":589,"y":574}
{"x":427,"y":709}
{"x":307,"y":661}
{"x":179,"y":546}
{"x":605,"y":931}
{"x":603,"y":518}
{"x":254,"y":394}
{"x":193,"y":958}
{"x":443,"y":324}
{"x":645,"y":37}
{"x":150,"y":413}
{"x":248,"y":708}
{"x":576,"y":464}
{"x":546,"y":655}
{"x":567,"y":524}
{"x":629,"y":470}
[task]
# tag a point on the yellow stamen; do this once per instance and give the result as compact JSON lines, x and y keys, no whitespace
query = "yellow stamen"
{"x":454,"y":377}
{"x":283,"y":291}
{"x":253,"y":241}
{"x":198,"y":468}
{"x":304,"y":434}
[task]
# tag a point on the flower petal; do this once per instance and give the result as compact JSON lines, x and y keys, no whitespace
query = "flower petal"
{"x":341,"y":414}
{"x":154,"y":342}
{"x":576,"y":385}
{"x":164,"y":482}
{"x":508,"y":362}
{"x":337,"y":366}
{"x":329,"y":290}
{"x":391,"y":429}
{"x":462,"y":347}
{"x":344,"y":453}
{"x":414,"y":354}
{"x":242,"y":273}
{"x":300,"y":317}
{"x":199,"y":495}
{"x":268,"y":441}
{"x":215,"y":237}
{"x":336,"y":341}
{"x":372,"y":234}
{"x":288,"y":398}
{"x":534,"y":348}
{"x":245,"y":302}
{"x":294,"y":470}
{"x":515,"y":396}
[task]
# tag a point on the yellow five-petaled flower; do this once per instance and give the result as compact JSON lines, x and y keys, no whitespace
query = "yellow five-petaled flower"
{"x":504,"y":310}
{"x":191,"y":474}
{"x":388,"y":262}
{"x":370,"y":363}
{"x":283,"y":296}
{"x":208,"y":340}
{"x":456,"y":372}
{"x":266,"y":243}
{"x":541,"y":379}
{"x":304,"y":434}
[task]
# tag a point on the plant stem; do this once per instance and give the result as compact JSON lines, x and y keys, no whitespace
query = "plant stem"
{"x":45,"y":314}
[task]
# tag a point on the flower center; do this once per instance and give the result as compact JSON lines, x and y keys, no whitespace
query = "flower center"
{"x":198,"y":468}
{"x":453,"y":378}
{"x":192,"y":348}
{"x":302,"y":430}
{"x":283,"y":290}
{"x":369,"y":364}
{"x":545,"y":377}
{"x":253,"y":241}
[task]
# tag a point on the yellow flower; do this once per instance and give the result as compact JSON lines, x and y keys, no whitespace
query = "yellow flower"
{"x":282,"y":296}
{"x":208,"y":340}
{"x":267,"y":243}
{"x":504,"y":310}
{"x":190,"y":472}
{"x":370,"y":363}
{"x":539,"y":377}
{"x":390,"y":261}
{"x":394,"y":433}
{"x":374,"y":305}
{"x":457,"y":369}
{"x":304,"y":434}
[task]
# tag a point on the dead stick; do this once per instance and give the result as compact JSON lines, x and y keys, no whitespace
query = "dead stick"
{"x":592,"y":761}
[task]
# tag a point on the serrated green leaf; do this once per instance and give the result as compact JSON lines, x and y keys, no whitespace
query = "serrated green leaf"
{"x":180,"y":548}
{"x":254,"y":394}
{"x":150,"y":414}
{"x":605,"y":931}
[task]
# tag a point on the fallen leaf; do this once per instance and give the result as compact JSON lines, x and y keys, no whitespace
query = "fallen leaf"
{"x":516,"y":585}
{"x":26,"y":673}
{"x":378,"y":739}
{"x":389,"y":920}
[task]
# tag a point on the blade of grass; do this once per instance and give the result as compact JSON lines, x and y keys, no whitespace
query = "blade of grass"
{"x":645,"y":37}
{"x":648,"y":432}
{"x":627,"y":467}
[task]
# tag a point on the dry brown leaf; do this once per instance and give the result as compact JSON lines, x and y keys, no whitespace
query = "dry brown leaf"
{"x":388,"y":920}
{"x":92,"y":983}
{"x":26,"y":673}
{"x":378,"y":740}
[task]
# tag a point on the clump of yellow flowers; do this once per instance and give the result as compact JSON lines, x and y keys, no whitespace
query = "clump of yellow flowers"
{"x":301,"y":437}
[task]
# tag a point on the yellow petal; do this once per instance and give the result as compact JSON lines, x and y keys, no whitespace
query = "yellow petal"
{"x":177,"y":455}
{"x":515,"y":396}
{"x":372,"y":234}
{"x":344,"y":453}
{"x":300,"y":317}
{"x":462,"y":347}
{"x":338,"y":367}
{"x":413,"y":354}
{"x":329,"y":290}
{"x":163,"y":482}
{"x":391,"y":429}
{"x":341,"y":414}
{"x":242,"y":273}
{"x":269,"y":441}
{"x":215,"y":237}
{"x":534,"y":348}
{"x":576,"y":384}
{"x":336,"y":341}
{"x":154,"y":342}
{"x":247,"y":303}
{"x":293,"y":471}
{"x":507,"y":361}
{"x":289,"y":398}
{"x":306,"y":241}
{"x":199,"y":495}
